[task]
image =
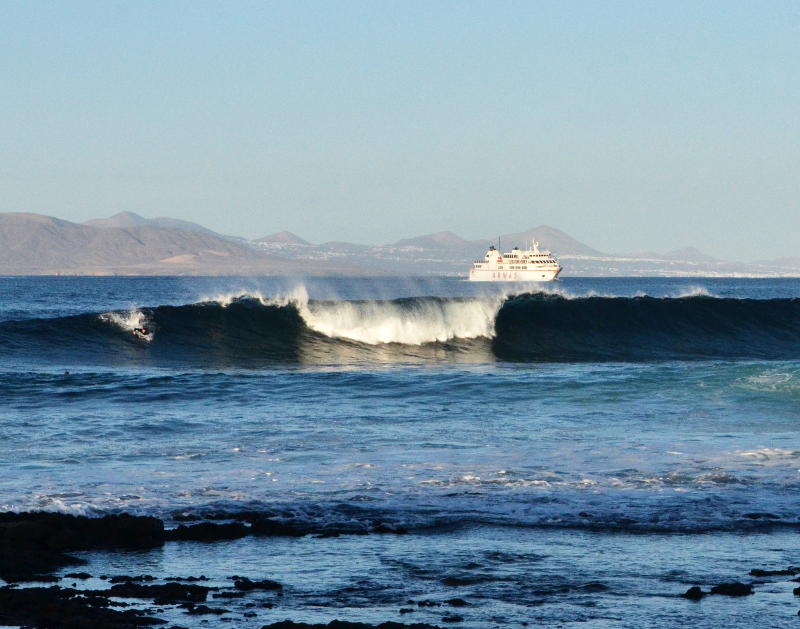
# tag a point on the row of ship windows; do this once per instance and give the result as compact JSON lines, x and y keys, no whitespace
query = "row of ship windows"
{"x":512,"y":267}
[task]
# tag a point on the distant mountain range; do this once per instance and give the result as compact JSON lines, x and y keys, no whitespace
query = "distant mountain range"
{"x":124,"y":220}
{"x":446,"y":253}
{"x":129,"y":244}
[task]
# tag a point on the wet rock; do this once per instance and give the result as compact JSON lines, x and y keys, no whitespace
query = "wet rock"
{"x":59,"y":531}
{"x":201,"y":610}
{"x":405,"y":610}
{"x":244,"y":584}
{"x":428,"y":604}
{"x":124,"y":578}
{"x":229,"y":594}
{"x":36,"y":542}
{"x":168,"y":593}
{"x":202,"y":577}
{"x":64,"y":608}
{"x":453,"y":618}
{"x":732,"y":589}
{"x":457,"y":602}
{"x":78,"y":575}
{"x":796,"y":591}
{"x":275,"y":528}
{"x":20,"y":563}
{"x":789,"y":572}
{"x":207,"y":532}
{"x":694,"y":593}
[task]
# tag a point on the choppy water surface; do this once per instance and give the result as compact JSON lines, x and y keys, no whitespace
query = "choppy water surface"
{"x":639,"y":433}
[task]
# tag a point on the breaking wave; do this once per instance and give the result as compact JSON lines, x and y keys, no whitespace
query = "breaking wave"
{"x":530,"y":327}
{"x":631,"y":510}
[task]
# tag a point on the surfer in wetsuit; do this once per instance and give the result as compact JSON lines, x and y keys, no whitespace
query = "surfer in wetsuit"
{"x":141,"y":331}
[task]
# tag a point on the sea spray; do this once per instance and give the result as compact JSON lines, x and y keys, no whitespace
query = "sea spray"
{"x":128,"y":320}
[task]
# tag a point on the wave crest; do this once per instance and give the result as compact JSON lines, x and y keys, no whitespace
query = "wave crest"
{"x":532,"y":327}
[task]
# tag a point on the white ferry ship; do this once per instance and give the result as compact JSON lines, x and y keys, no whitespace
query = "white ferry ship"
{"x":531,"y":265}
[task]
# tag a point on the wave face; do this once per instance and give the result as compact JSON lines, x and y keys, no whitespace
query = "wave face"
{"x":530,"y":327}
{"x":552,"y":328}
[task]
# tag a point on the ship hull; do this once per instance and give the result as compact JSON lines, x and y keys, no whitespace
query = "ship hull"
{"x":527,"y":275}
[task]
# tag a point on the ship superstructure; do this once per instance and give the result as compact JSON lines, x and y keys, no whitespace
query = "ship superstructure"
{"x":531,"y":265}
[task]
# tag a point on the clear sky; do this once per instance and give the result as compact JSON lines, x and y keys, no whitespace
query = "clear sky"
{"x":631,"y":125}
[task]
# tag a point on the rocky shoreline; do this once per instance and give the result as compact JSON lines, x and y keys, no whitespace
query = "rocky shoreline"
{"x":33,"y":546}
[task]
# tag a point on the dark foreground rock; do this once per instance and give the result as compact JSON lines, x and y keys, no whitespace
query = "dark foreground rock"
{"x":163,"y":594}
{"x":789,"y":572}
{"x":36,"y":543}
{"x":63,"y":608}
{"x":125,"y":578}
{"x":694,"y":593}
{"x":60,"y":531}
{"x":245,"y":585}
{"x":201,"y":610}
{"x":207,"y":532}
{"x":732,"y":589}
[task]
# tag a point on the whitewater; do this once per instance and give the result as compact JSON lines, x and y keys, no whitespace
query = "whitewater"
{"x":573,"y":454}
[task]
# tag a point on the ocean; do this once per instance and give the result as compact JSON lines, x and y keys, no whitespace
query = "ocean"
{"x":575,"y":454}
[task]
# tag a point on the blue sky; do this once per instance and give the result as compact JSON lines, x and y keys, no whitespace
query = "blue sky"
{"x":631,"y":125}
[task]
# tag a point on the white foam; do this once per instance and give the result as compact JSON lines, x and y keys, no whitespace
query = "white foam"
{"x":426,"y":321}
{"x":129,"y":321}
{"x":771,"y":380}
{"x":770,"y":454}
{"x":379,"y":322}
{"x":125,"y":320}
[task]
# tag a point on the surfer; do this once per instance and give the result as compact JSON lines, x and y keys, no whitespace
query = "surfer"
{"x":141,"y":332}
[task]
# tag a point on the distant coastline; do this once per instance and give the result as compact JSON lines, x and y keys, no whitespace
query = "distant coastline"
{"x":127,"y":244}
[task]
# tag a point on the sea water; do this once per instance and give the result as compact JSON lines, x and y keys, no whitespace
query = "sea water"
{"x":572,"y":453}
